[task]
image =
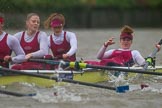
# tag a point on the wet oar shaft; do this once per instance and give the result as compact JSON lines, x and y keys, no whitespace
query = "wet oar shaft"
{"x":125,"y":70}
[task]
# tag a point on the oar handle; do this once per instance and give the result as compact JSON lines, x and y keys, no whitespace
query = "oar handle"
{"x":151,"y":56}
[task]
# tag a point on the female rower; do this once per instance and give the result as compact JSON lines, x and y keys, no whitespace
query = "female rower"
{"x":33,"y":41}
{"x":63,"y":44}
{"x":122,"y":56}
{"x":8,"y":44}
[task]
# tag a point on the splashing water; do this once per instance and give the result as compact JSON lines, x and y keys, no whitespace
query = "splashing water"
{"x":57,"y":94}
{"x":118,"y":80}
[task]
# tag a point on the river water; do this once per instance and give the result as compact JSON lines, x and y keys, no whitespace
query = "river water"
{"x":77,"y":96}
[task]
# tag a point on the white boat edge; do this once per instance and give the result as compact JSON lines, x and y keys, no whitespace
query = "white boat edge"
{"x":51,"y":71}
{"x":138,"y":67}
{"x":82,"y":71}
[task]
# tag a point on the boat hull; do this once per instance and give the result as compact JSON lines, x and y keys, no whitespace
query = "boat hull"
{"x":88,"y":76}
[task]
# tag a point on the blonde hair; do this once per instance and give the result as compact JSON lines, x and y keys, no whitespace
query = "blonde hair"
{"x":30,"y":15}
{"x":53,"y":16}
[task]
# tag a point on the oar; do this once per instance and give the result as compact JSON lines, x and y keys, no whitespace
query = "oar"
{"x":16,"y":93}
{"x":52,"y":62}
{"x":151,"y":56}
{"x":124,"y":70}
{"x":85,"y":65}
{"x":55,"y":78}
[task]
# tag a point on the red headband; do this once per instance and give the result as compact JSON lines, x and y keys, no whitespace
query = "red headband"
{"x":126,"y":35}
{"x":56,"y":23}
{"x":1,"y":20}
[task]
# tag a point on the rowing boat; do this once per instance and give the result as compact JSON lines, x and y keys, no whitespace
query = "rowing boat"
{"x":50,"y":78}
{"x":87,"y":75}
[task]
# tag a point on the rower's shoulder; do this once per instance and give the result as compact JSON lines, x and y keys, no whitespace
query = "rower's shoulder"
{"x":70,"y":33}
{"x":135,"y":51}
{"x":42,"y":33}
{"x":12,"y":39}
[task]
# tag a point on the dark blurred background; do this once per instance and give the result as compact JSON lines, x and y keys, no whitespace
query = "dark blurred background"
{"x":86,"y":13}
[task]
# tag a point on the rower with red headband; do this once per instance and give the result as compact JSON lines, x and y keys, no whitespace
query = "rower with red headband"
{"x":9,"y":43}
{"x":63,"y":44}
{"x":123,"y":56}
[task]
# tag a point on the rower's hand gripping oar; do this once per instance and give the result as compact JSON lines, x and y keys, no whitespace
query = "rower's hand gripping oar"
{"x":151,"y":57}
